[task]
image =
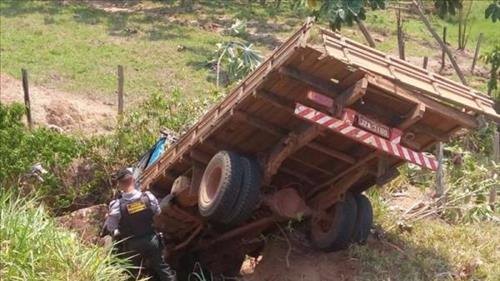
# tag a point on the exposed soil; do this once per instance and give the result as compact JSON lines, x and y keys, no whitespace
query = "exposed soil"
{"x":59,"y":110}
{"x":304,"y":264}
{"x":86,"y":222}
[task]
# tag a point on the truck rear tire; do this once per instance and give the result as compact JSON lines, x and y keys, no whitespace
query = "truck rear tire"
{"x":334,"y":232}
{"x":249,"y":194}
{"x":220,"y":186}
{"x":364,"y":220}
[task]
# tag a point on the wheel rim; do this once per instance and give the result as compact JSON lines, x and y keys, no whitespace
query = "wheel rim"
{"x":322,"y":224}
{"x":212,"y":186}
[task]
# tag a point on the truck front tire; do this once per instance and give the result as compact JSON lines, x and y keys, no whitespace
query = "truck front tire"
{"x":220,"y":186}
{"x":249,"y":193}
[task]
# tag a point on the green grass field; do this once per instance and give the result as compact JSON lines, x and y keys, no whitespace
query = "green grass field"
{"x":76,"y":48}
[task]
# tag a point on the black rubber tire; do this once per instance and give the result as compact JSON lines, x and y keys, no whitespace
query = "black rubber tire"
{"x":220,"y":186}
{"x":364,"y":220}
{"x":338,"y":234}
{"x":249,"y":195}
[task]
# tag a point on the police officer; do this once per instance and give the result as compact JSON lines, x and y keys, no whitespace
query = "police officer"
{"x":131,"y":218}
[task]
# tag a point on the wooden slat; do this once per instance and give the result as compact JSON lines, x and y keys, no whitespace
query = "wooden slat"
{"x":217,"y":115}
{"x":331,"y":152}
{"x":280,"y":132}
{"x":440,"y":88}
{"x":356,"y":166}
{"x":318,"y":83}
{"x":462,"y":118}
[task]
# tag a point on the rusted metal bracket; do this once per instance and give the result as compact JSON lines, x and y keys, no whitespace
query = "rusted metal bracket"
{"x":199,"y":156}
{"x":387,"y":176}
{"x":256,"y":226}
{"x":328,"y":197}
{"x":197,"y":174}
{"x":286,"y":147}
{"x":350,"y":96}
{"x":413,"y":117}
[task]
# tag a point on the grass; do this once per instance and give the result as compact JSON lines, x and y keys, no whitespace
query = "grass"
{"x":421,"y":43}
{"x":385,"y":20}
{"x":77,"y":48}
{"x":431,"y":250}
{"x":35,"y":248}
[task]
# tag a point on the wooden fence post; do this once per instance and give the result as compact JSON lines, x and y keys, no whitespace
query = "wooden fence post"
{"x":401,"y":40}
{"x":443,"y":54}
{"x":120,"y":89}
{"x":476,"y":53}
{"x":441,"y":43}
{"x":27,"y":103}
{"x":426,"y":61}
{"x":440,"y":171}
{"x":365,"y":32}
{"x":496,"y":159}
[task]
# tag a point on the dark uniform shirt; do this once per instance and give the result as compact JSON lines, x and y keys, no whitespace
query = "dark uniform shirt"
{"x":114,"y":215}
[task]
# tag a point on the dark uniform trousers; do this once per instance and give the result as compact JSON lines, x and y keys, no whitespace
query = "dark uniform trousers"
{"x":143,"y":244}
{"x":147,"y":248}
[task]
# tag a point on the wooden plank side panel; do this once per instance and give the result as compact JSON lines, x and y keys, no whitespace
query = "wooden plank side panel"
{"x":432,"y":84}
{"x":214,"y":117}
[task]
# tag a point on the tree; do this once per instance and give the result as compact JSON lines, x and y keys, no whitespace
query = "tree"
{"x":451,"y":7}
{"x":340,"y":12}
{"x":237,"y":59}
{"x":493,"y":11}
{"x":447,"y":7}
{"x":493,"y":58}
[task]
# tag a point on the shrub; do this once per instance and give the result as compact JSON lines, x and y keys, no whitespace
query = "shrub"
{"x":138,"y":130}
{"x":21,"y":148}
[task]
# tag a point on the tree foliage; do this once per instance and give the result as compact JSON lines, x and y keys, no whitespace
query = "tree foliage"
{"x":493,"y":58}
{"x":340,"y":12}
{"x":447,"y":7}
{"x":236,"y":58}
{"x":493,"y":11}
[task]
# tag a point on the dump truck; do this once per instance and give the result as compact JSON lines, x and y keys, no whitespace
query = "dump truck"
{"x":321,"y":120}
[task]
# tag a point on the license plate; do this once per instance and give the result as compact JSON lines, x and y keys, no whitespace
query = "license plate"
{"x":373,"y":126}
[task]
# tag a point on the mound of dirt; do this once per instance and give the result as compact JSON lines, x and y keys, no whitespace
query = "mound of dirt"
{"x":298,"y":262}
{"x":86,"y":222}
{"x":60,"y":110}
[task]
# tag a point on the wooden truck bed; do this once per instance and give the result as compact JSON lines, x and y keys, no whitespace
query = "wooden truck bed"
{"x":258,"y":117}
{"x":321,"y":119}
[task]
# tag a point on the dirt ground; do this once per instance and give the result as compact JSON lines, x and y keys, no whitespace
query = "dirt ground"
{"x":59,"y":110}
{"x":294,"y":259}
{"x":280,"y":262}
{"x":86,"y":222}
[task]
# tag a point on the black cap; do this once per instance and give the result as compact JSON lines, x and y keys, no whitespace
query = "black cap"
{"x":122,"y":173}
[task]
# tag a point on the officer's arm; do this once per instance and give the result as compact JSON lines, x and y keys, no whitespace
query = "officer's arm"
{"x":113,"y":219}
{"x":155,"y":207}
